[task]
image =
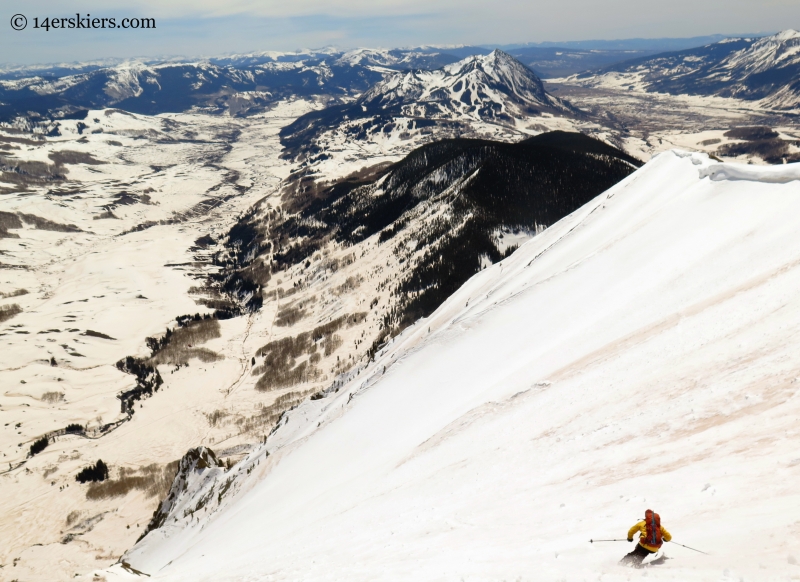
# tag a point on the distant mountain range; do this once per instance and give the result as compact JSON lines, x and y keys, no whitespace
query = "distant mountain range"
{"x":629,"y":44}
{"x":247,"y":83}
{"x":550,"y":62}
{"x":398,"y":59}
{"x":238,"y":85}
{"x":765,"y":69}
{"x":243,"y":84}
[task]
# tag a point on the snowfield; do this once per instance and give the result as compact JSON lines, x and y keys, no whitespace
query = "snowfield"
{"x":640,"y":353}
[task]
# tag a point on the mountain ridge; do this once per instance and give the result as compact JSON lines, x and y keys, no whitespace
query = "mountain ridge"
{"x":766,"y":69}
{"x":238,"y":84}
{"x":443,"y":209}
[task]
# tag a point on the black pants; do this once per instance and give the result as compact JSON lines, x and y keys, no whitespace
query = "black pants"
{"x":637,"y":556}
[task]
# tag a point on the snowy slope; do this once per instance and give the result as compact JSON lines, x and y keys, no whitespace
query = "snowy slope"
{"x":765,"y":69}
{"x":641,"y":352}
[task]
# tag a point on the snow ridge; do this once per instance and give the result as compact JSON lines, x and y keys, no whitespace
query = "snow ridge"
{"x":765,"y":174}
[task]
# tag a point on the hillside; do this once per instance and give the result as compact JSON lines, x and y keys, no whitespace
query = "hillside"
{"x":766,"y":69}
{"x":444,"y":212}
{"x":639,"y":353}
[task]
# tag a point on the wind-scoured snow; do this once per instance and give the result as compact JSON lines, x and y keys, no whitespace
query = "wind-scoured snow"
{"x":640,"y":353}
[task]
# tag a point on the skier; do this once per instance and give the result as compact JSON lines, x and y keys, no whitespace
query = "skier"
{"x":651,"y":537}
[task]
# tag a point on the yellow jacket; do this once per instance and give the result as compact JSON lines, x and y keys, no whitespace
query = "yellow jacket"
{"x":642,"y":529}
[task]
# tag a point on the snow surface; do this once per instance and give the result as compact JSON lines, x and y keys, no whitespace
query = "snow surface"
{"x":640,"y":353}
{"x":769,"y":174}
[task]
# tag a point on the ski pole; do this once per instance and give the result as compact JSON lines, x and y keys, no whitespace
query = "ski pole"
{"x":614,"y":540}
{"x":688,"y":548}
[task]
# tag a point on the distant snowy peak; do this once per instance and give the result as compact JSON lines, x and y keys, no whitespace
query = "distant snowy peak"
{"x":501,"y":71}
{"x":491,"y":86}
{"x":395,"y":59}
{"x":766,"y":68}
{"x":787,"y":34}
{"x":777,"y":51}
{"x":125,"y":81}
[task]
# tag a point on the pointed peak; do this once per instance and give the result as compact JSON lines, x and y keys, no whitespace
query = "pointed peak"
{"x":494,"y":58}
{"x":499,"y":55}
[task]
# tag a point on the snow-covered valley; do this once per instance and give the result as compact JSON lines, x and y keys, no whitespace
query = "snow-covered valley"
{"x":88,"y":299}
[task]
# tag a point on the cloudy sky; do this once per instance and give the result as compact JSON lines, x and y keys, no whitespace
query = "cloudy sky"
{"x":216,"y":27}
